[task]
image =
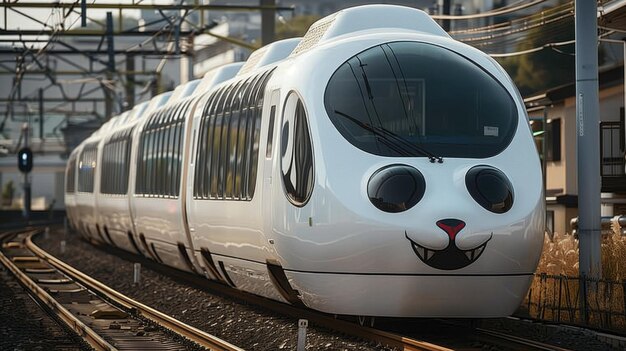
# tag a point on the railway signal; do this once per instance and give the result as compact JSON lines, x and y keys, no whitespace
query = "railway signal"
{"x":25,"y":159}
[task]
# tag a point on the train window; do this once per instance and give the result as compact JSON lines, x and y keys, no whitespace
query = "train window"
{"x":169,"y":149}
{"x":141,"y":170}
{"x":391,"y":100}
{"x":70,"y":176}
{"x":201,"y":164}
{"x":216,"y":158}
{"x":231,"y":143}
{"x":209,"y":135}
{"x":177,"y":149}
{"x":139,"y":166}
{"x":270,"y":133}
{"x":115,"y":159}
{"x":241,"y":140}
{"x":256,"y":125}
{"x":150,"y":155}
{"x":160,"y":152}
{"x":227,"y":145}
{"x":126,"y":164}
{"x":87,"y":167}
{"x":250,"y":117}
{"x":296,"y":152}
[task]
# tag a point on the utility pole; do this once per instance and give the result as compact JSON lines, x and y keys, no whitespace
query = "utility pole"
{"x":446,"y":12}
{"x":41,"y":114}
{"x":130,"y":81}
{"x":588,"y":134}
{"x":186,"y":58}
{"x":108,"y":88}
{"x":268,"y":22}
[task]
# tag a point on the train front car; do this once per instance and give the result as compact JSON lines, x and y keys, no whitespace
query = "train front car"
{"x":407,"y":180}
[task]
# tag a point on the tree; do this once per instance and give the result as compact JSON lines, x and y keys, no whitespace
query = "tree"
{"x":547,"y":68}
{"x":295,"y":27}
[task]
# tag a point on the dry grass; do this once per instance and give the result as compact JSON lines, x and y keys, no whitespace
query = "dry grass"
{"x":555,"y":292}
{"x":560,"y":255}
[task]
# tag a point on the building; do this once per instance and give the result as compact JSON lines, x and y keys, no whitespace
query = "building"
{"x":553,"y":119}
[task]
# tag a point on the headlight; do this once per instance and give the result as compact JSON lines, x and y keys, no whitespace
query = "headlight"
{"x":396,"y":188}
{"x":490,"y":188}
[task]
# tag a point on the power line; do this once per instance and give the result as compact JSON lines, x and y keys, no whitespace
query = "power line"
{"x":491,"y":13}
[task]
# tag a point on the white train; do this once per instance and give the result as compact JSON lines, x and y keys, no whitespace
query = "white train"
{"x":376,"y":167}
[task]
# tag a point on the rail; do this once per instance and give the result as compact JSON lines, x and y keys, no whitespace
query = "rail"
{"x":114,"y":305}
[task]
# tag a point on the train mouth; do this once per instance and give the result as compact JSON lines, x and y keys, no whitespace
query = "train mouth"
{"x":451,"y":257}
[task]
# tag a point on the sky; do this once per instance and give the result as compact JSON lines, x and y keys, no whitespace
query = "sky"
{"x":16,"y":21}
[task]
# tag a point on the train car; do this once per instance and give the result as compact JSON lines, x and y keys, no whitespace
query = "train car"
{"x":112,"y":193}
{"x":70,"y":188}
{"x":113,"y":202}
{"x":375,"y":167}
{"x":162,"y":150}
{"x":88,"y":178}
{"x":228,"y":128}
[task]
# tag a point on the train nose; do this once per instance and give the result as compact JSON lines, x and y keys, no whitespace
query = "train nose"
{"x":451,"y":226}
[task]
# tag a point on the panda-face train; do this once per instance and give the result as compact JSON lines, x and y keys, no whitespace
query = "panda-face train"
{"x":374,"y":167}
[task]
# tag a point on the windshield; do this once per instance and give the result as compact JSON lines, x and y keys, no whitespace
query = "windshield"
{"x":434,"y":102}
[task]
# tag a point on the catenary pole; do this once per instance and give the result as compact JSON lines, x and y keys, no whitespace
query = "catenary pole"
{"x":588,"y":136}
{"x":268,"y":21}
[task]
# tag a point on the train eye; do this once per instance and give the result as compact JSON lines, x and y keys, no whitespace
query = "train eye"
{"x":396,"y":188}
{"x":490,"y":188}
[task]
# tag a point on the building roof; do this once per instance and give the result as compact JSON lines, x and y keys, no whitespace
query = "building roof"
{"x":613,"y":14}
{"x":608,"y":77}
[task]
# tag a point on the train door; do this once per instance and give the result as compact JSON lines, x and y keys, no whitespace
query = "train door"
{"x":269,"y":166}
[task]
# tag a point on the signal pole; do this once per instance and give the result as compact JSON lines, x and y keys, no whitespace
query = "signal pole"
{"x":26,"y":184}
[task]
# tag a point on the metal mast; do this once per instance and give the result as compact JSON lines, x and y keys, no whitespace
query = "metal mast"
{"x":588,"y":135}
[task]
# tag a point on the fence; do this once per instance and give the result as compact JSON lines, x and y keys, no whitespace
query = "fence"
{"x":557,"y":298}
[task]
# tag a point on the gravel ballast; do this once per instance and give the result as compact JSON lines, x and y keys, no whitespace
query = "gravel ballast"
{"x":24,"y":325}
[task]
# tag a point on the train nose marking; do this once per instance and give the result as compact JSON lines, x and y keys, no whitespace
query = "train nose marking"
{"x":451,"y":257}
{"x":451,"y":226}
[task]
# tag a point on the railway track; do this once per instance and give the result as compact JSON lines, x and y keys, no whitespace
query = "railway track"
{"x":104,"y":318}
{"x":36,"y":264}
{"x":507,"y":341}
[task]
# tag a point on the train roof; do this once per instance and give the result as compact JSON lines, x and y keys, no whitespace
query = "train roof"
{"x":182,"y":91}
{"x":367,"y":17}
{"x":218,"y":75}
{"x":269,"y":54}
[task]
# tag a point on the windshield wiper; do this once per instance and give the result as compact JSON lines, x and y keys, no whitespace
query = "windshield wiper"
{"x":390,"y":138}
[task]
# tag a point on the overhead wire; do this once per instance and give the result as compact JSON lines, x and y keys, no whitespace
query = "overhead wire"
{"x":491,"y":13}
{"x":526,"y":20}
{"x":504,"y":39}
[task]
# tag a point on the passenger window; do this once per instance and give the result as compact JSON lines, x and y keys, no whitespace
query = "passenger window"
{"x":270,"y":133}
{"x":296,"y":152}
